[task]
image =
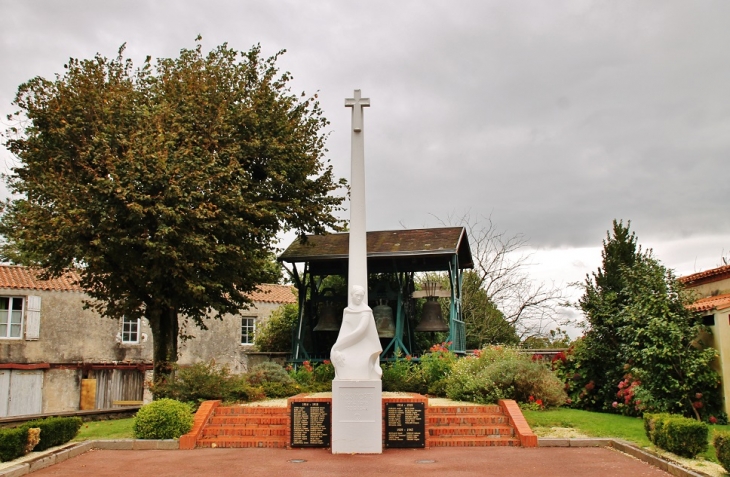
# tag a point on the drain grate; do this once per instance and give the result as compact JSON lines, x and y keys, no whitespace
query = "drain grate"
{"x":297,"y":461}
{"x":425,"y":461}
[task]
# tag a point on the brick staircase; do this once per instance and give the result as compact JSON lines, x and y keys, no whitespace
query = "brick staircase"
{"x":469,"y":426}
{"x":446,"y":426}
{"x":243,"y":427}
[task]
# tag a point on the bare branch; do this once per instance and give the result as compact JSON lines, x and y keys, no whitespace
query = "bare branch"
{"x":501,"y":263}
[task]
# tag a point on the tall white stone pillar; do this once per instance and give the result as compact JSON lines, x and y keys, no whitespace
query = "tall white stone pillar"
{"x":357,"y":421}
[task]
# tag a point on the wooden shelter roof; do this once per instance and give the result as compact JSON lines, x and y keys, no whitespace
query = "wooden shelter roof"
{"x":387,"y":251}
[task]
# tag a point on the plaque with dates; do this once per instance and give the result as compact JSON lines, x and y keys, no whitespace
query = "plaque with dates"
{"x":405,"y":424}
{"x":310,"y":424}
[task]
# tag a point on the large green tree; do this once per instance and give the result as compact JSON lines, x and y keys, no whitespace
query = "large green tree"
{"x":165,"y":185}
{"x":605,"y":295}
{"x":642,"y":349}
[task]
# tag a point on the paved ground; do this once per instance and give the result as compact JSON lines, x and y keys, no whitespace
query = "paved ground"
{"x":438,"y":462}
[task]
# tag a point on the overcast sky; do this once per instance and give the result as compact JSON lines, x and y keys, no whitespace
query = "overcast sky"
{"x":554,"y":117}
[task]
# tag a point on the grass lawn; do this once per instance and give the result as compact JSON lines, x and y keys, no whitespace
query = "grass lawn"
{"x":115,"y":429}
{"x":597,"y":424}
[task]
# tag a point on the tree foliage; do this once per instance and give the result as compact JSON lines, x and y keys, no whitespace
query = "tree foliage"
{"x":276,"y":334}
{"x":167,"y":184}
{"x":484,"y":323}
{"x":643,"y":349}
{"x":605,"y":294}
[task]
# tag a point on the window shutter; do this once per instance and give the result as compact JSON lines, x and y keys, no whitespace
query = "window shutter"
{"x":33,"y":318}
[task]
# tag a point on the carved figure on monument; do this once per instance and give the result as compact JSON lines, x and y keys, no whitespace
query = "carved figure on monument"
{"x":356,"y":352}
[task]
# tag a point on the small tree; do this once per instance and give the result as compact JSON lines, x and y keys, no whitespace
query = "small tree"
{"x":662,"y":347}
{"x":484,"y":323}
{"x":165,"y":186}
{"x":276,"y":334}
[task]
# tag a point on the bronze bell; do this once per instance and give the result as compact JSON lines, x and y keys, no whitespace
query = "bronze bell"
{"x":327,"y":318}
{"x":383,"y":315}
{"x":431,"y":318}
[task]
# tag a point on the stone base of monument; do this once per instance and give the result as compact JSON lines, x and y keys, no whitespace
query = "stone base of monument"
{"x":357,"y":420}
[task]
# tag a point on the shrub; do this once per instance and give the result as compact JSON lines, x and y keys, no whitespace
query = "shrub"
{"x":315,"y":377}
{"x":55,"y":430}
{"x":677,"y":434}
{"x":403,"y":375}
{"x":199,"y":382}
{"x":12,"y":443}
{"x":721,"y":441}
{"x":163,"y":419}
{"x":274,"y":380}
{"x":502,"y":373}
{"x":436,"y":366}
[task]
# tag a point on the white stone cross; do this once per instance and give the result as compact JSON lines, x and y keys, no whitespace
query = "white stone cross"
{"x":357,"y":103}
{"x":357,"y":264}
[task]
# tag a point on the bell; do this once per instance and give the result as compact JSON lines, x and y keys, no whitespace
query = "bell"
{"x":431,"y":318}
{"x":383,"y":315}
{"x":327,"y":318}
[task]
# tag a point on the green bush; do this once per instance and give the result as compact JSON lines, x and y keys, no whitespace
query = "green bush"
{"x":721,"y":441}
{"x":680,"y":435}
{"x":274,"y":380}
{"x":503,"y":373}
{"x":163,"y":419}
{"x":276,"y":333}
{"x":55,"y":430}
{"x":12,"y":443}
{"x":199,"y":382}
{"x":315,"y":377}
{"x":404,"y":375}
{"x":436,"y":366}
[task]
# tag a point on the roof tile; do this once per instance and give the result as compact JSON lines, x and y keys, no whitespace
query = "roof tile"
{"x":268,"y":293}
{"x":15,"y":277}
{"x":710,"y":303}
{"x":708,"y":276}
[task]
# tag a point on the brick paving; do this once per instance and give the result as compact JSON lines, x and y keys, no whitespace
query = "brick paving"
{"x":453,"y":461}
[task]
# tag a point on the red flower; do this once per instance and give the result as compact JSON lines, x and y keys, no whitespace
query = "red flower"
{"x":539,"y":402}
{"x":713,"y":420}
{"x":532,"y":398}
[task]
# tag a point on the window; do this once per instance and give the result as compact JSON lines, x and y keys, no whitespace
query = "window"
{"x":11,"y":317}
{"x":130,"y":330}
{"x":248,"y":329}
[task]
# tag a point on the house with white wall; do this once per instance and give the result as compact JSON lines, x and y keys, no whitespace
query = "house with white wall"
{"x":712,"y":289}
{"x":52,"y":349}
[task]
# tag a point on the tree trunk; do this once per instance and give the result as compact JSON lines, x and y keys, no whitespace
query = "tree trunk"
{"x":164,"y":325}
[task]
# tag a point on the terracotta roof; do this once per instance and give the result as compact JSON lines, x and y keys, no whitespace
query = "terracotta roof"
{"x":19,"y":278}
{"x":718,"y":302}
{"x":708,"y":276}
{"x":267,"y":293}
{"x":16,"y":277}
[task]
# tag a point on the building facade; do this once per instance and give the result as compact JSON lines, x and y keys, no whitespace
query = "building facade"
{"x":712,"y":288}
{"x":57,"y":356}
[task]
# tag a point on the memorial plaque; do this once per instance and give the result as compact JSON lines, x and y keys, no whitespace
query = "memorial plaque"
{"x":405,"y":424}
{"x":310,"y":424}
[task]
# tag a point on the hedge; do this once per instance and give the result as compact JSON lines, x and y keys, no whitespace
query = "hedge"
{"x":55,"y":430}
{"x":680,"y":435}
{"x":721,"y":441}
